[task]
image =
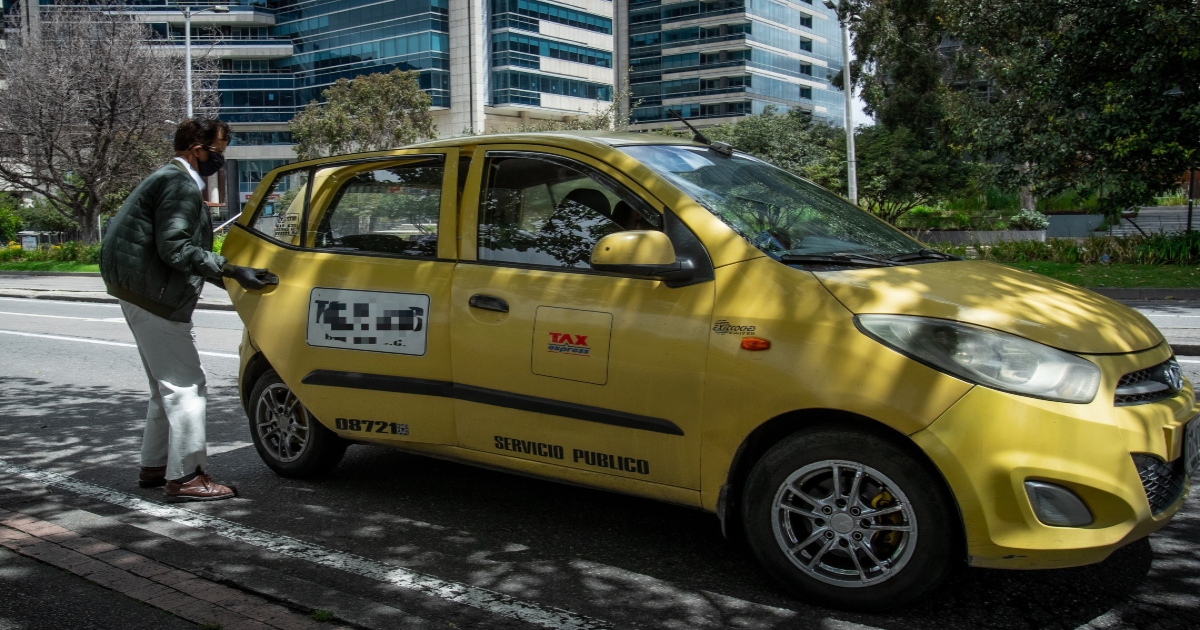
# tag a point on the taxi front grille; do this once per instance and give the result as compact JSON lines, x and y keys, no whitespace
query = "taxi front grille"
{"x":1163,"y":481}
{"x":1149,"y":385}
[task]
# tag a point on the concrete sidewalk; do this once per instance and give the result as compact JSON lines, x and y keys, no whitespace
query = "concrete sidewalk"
{"x":145,"y":580}
{"x":85,"y":288}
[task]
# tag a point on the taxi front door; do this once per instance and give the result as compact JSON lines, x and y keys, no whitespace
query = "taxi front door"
{"x":359,"y":324}
{"x":555,"y":363}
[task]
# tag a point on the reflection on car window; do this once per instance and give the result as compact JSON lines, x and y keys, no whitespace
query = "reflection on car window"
{"x":539,"y":212}
{"x":393,"y":210}
{"x":279,"y":214}
{"x":776,"y":211}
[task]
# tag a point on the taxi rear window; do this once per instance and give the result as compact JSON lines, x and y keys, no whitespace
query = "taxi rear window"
{"x":279,"y":213}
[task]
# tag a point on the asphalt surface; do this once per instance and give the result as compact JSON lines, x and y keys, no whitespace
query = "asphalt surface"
{"x":72,"y":406}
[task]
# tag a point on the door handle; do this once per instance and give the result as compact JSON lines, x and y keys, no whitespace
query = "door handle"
{"x":488,"y":303}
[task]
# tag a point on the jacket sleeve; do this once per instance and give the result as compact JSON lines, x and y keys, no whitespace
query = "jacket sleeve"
{"x":177,"y":217}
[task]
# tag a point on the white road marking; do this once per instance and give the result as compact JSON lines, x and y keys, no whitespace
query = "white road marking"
{"x":86,"y":319}
{"x":206,"y":353}
{"x":1186,"y":360}
{"x":483,"y":599}
{"x":94,"y":304}
{"x":72,"y":302}
{"x":217,"y":449}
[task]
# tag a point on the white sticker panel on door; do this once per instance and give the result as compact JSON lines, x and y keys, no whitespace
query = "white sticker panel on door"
{"x":375,"y":321}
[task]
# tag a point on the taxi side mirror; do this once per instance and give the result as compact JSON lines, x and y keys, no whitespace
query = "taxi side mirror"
{"x":640,"y":253}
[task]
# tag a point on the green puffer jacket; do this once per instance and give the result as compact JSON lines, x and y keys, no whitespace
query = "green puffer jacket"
{"x":158,"y":250}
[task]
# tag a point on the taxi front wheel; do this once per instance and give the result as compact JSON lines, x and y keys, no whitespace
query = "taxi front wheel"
{"x":288,"y":438}
{"x":846,"y":519}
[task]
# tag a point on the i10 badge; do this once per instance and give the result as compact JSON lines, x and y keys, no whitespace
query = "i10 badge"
{"x":375,"y":321}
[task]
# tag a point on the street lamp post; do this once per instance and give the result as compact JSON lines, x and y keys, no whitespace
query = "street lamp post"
{"x":851,"y":166}
{"x":187,"y":45}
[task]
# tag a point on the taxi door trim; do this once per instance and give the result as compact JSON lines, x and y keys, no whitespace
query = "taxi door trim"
{"x":486,"y":396}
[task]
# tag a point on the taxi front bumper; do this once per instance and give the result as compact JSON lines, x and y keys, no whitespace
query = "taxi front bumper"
{"x":989,"y":443}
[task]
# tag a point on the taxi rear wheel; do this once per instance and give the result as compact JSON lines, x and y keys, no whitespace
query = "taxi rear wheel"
{"x":287,"y":437}
{"x":846,"y":519}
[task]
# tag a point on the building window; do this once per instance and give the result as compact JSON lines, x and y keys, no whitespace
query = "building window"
{"x":509,"y":86}
{"x":260,"y":138}
{"x":549,"y":12}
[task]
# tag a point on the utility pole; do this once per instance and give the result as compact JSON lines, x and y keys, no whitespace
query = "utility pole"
{"x":31,"y":20}
{"x":847,"y":89}
{"x":187,"y":45}
{"x":1191,"y":191}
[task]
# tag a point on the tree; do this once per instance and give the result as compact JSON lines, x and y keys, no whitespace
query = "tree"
{"x":86,"y":108}
{"x":1083,"y":92}
{"x":374,"y":112}
{"x":10,"y":220}
{"x":899,"y":64}
{"x":896,"y":173}
{"x":792,"y":141}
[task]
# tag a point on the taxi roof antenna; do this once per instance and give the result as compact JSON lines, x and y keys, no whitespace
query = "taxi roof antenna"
{"x":719,"y":147}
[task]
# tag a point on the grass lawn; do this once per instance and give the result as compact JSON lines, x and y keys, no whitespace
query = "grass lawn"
{"x":48,"y":266}
{"x":1122,"y":276}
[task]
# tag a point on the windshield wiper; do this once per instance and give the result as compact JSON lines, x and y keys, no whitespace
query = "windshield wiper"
{"x":922,"y":254}
{"x":836,"y":259}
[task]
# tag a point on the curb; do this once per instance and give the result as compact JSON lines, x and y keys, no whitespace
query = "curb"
{"x":1148,"y":293}
{"x":105,"y":300}
{"x":183,"y":593}
{"x":77,"y":274}
{"x":1186,"y":349}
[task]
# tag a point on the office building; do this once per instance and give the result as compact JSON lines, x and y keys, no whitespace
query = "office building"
{"x":486,"y":64}
{"x":714,"y":61}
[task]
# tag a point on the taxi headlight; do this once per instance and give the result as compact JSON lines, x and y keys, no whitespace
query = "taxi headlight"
{"x":987,"y":357}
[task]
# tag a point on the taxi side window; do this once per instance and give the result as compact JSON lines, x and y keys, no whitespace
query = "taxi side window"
{"x":392,"y":210}
{"x":279,"y":214}
{"x":543,"y":212}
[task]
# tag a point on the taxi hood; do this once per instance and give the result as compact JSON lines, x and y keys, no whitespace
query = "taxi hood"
{"x":1054,"y":313}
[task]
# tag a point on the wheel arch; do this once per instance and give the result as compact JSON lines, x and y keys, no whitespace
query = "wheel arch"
{"x":769,"y":433}
{"x":255,"y":368}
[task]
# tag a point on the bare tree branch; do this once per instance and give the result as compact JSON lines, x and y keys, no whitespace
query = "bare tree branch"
{"x":84,"y":115}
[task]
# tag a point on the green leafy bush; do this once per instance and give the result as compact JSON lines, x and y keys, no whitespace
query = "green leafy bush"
{"x":70,"y":251}
{"x":1028,"y":219}
{"x":1179,"y":248}
{"x":10,"y":219}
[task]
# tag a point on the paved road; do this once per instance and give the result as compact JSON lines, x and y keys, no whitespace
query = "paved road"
{"x":394,"y":540}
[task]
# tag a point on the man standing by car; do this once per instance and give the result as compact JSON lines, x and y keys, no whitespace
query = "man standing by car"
{"x":155,"y":259}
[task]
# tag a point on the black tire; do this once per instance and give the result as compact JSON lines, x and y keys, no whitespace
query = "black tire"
{"x":840,"y":572}
{"x":304,"y":448}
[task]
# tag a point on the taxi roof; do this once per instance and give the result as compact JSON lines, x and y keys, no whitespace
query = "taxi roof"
{"x":560,"y":138}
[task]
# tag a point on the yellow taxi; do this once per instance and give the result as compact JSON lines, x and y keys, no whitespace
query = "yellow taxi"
{"x":677,"y":321}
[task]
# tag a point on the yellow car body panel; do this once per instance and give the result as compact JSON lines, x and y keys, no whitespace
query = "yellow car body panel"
{"x":666,"y":396}
{"x":1025,"y":304}
{"x":989,"y":443}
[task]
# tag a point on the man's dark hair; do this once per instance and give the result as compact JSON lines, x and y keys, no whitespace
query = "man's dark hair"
{"x":200,"y":130}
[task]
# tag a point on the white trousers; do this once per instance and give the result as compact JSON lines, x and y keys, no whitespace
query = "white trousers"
{"x":175,"y":417}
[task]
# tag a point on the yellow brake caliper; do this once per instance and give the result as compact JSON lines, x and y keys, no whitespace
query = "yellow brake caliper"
{"x":886,"y":540}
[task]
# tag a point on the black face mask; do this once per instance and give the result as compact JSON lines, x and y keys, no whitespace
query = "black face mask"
{"x":214,"y":163}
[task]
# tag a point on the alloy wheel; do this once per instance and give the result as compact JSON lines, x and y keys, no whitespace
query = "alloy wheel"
{"x":282,"y":424}
{"x":844,"y":523}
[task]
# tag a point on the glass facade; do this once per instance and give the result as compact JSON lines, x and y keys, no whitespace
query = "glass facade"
{"x":332,"y":39}
{"x":722,"y":58}
{"x":276,"y":56}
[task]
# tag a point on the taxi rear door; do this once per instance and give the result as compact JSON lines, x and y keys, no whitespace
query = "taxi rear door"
{"x":359,"y":324}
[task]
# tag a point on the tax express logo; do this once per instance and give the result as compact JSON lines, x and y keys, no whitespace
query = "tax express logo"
{"x":566,"y":343}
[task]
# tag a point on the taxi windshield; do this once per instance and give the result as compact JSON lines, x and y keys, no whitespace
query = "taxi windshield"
{"x":786,"y":217}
